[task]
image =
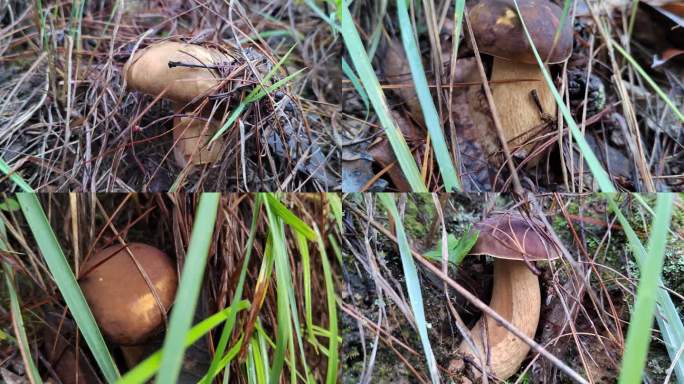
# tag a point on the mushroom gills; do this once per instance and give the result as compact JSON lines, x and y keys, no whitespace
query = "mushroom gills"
{"x":516,"y":297}
{"x":518,"y":112}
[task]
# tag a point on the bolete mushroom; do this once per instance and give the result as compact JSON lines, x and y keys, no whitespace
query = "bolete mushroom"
{"x":192,"y":135}
{"x":120,"y":298}
{"x":182,"y":73}
{"x":513,"y":242}
{"x":516,"y":78}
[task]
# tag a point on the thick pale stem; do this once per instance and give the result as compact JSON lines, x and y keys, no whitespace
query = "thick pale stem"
{"x":192,"y":136}
{"x":517,"y":298}
{"x":518,"y":112}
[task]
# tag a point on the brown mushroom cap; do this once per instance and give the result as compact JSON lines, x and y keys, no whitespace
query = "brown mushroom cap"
{"x":510,"y":236}
{"x":118,"y":295}
{"x":499,"y":33}
{"x":148,"y":70}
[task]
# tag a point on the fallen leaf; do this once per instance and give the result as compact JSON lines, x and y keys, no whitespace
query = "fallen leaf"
{"x":665,"y":56}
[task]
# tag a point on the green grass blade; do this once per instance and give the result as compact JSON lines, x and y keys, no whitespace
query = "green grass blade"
{"x":412,"y":284}
{"x":333,"y":342}
{"x":66,"y":282}
{"x":349,"y":72}
{"x":669,"y":320}
{"x":649,"y":80}
{"x":15,"y":177}
{"x":216,"y":365}
{"x":432,"y":120}
{"x":279,"y":209}
{"x":459,"y":8}
{"x":364,"y":69}
{"x":148,"y":367}
{"x":188,"y":288}
{"x":457,"y":248}
{"x":257,"y":93}
{"x":600,"y":175}
{"x":640,"y":325}
{"x":17,"y":319}
{"x":303,"y":247}
{"x":336,"y":207}
{"x":282,"y":297}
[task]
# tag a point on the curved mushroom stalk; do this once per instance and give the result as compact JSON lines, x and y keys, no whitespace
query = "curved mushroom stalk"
{"x":516,"y":297}
{"x":499,"y":33}
{"x":512,"y":90}
{"x":191,"y":136}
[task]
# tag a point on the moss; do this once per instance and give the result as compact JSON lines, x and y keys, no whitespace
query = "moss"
{"x":419,"y":215}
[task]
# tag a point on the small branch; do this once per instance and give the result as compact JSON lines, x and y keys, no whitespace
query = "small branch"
{"x":174,"y":64}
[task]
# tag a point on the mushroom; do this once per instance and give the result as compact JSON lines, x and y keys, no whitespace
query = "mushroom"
{"x":192,"y":135}
{"x":182,"y":73}
{"x":522,"y":98}
{"x":122,"y":303}
{"x":513,"y":243}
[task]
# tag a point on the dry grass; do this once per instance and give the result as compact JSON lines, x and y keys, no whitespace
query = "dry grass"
{"x":633,"y":132}
{"x":66,"y":122}
{"x":85,"y":223}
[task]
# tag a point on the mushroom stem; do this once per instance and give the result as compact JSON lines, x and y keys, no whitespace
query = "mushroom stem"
{"x":518,"y":112}
{"x":191,"y":136}
{"x":516,"y":297}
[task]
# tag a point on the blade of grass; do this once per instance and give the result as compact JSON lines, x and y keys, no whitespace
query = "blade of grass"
{"x":15,"y":177}
{"x":459,"y":7}
{"x":148,"y":367}
{"x":306,"y":277}
{"x":600,"y":175}
{"x":364,"y":69}
{"x":292,"y":299}
{"x":336,"y":207}
{"x":258,"y":93}
{"x":457,"y":248}
{"x":640,"y":325}
{"x":432,"y":120}
{"x":256,"y":372}
{"x":412,"y":284}
{"x":66,"y":282}
{"x":649,"y":80}
{"x":17,"y":319}
{"x":282,"y":299}
{"x":290,"y":218}
{"x":215,"y":365}
{"x":347,"y":70}
{"x":669,"y":320}
{"x":333,"y":342}
{"x":188,"y":288}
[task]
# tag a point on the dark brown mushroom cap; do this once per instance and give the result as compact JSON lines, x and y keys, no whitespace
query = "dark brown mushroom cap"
{"x":120,"y":299}
{"x":511,"y":236}
{"x":499,"y":33}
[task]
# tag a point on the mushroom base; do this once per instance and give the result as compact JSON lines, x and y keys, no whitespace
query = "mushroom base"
{"x":191,"y":136}
{"x":516,"y":297}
